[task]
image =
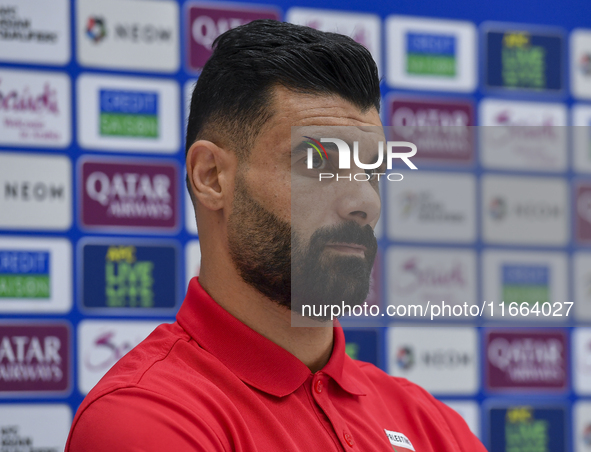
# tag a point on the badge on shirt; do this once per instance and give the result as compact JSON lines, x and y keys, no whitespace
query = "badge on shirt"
{"x":398,"y":439}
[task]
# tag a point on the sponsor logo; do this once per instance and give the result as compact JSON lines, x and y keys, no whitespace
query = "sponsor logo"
{"x":95,"y":29}
{"x":582,"y":360}
{"x":35,"y":275}
{"x":133,"y":114}
{"x":405,"y":358}
{"x":520,"y":276}
{"x":433,"y":206}
{"x":22,"y":431}
{"x":34,"y":358}
{"x":363,"y":28}
{"x":30,"y":34}
{"x":521,"y":428}
{"x":440,"y":129}
{"x":521,"y":210}
{"x":398,"y":439}
{"x":431,"y":54}
{"x":519,"y":59}
{"x":582,"y":286}
{"x":418,"y":275}
{"x":582,"y":425}
{"x":129,"y":195}
{"x":101,"y":344}
{"x":528,"y":210}
{"x":583,"y":208}
{"x":526,"y":360}
{"x":34,"y":108}
{"x":581,"y":134}
{"x":207,"y":22}
{"x":24,"y":274}
{"x":442,"y":360}
{"x":526,"y":283}
{"x":530,"y":136}
{"x":128,"y":113}
{"x":135,"y":34}
{"x":362,"y":344}
{"x":133,"y":276}
{"x":580,"y":54}
{"x":35,"y":191}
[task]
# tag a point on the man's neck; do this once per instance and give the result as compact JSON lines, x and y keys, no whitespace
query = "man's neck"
{"x":311,"y":345}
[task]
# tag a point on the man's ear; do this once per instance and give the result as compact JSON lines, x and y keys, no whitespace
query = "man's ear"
{"x":210,"y":171}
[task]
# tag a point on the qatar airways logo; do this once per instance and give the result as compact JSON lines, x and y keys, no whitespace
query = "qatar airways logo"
{"x":317,"y":158}
{"x":129,"y":194}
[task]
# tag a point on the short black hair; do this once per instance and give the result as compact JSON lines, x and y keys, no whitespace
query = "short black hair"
{"x":231,"y":99}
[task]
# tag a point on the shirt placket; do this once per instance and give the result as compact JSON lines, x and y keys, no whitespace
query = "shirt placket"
{"x":320,"y":394}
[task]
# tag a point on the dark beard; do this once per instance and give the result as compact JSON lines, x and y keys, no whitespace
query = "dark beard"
{"x":271,"y":258}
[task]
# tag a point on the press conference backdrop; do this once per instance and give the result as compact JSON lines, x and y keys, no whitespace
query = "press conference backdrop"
{"x":98,"y":239}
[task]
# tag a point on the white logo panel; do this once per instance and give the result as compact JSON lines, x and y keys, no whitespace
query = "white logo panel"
{"x":441,"y":360}
{"x":419,"y":275}
{"x":580,"y":64}
{"x":581,"y":127}
{"x":431,"y":54}
{"x":37,"y":191}
{"x":193,"y":260}
{"x":582,"y":285}
{"x":125,"y":113}
{"x":35,"y":275}
{"x":30,"y":32}
{"x":34,"y":427}
{"x":128,"y":34}
{"x":581,"y":348}
{"x":520,"y":211}
{"x":35,"y":109}
{"x":525,"y":277}
{"x":363,"y":28}
{"x":582,"y":426}
{"x":102,"y":343}
{"x":433,"y":207}
{"x":529,"y":136}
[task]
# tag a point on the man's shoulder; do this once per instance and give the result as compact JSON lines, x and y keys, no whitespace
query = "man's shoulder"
{"x":146,"y":393}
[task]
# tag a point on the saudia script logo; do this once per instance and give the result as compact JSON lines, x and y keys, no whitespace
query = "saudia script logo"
{"x":318,"y":157}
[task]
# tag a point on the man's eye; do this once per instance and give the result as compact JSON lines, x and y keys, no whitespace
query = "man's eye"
{"x":318,"y":162}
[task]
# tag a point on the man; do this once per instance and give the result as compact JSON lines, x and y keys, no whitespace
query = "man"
{"x":233,"y":374}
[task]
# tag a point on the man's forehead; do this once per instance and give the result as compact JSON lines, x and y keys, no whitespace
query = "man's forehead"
{"x":295,"y":109}
{"x":349,"y":134}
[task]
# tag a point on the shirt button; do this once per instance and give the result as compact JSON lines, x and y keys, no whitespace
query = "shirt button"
{"x":319,"y":386}
{"x":349,"y":439}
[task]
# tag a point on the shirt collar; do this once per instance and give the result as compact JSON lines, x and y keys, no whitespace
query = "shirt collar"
{"x":253,"y":358}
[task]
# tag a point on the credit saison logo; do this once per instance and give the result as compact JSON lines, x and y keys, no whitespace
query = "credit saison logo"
{"x":431,"y":54}
{"x":526,"y":283}
{"x":24,"y":274}
{"x":317,"y":158}
{"x":128,"y":113}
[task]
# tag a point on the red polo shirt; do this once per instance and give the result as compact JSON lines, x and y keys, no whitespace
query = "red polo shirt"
{"x":209,"y":383}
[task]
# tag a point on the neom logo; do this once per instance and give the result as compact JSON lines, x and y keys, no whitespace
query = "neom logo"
{"x":33,"y":191}
{"x":132,"y":32}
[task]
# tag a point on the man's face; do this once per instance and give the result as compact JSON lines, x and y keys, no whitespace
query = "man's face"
{"x":295,"y":239}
